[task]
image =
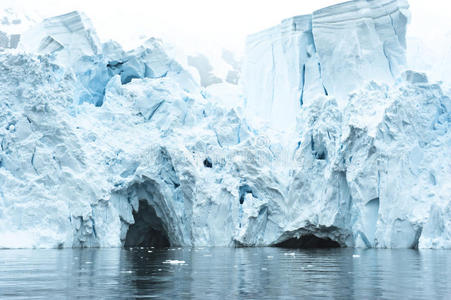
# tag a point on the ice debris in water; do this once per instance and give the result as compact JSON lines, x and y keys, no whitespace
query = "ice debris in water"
{"x":174,"y":262}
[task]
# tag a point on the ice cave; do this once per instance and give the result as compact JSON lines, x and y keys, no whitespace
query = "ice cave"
{"x":148,"y":229}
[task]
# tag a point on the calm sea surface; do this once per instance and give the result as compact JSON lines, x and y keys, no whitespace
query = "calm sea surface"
{"x":225,"y":273}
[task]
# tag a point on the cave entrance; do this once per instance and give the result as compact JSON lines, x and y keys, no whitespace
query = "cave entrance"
{"x":148,"y":230}
{"x":308,"y":241}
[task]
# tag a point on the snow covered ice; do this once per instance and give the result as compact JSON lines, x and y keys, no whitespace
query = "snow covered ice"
{"x":329,"y":139}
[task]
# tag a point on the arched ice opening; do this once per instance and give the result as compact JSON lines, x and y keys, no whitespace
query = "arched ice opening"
{"x":148,"y":229}
{"x":151,"y":220}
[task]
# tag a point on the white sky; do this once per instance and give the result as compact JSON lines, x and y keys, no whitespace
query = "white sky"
{"x":199,"y":23}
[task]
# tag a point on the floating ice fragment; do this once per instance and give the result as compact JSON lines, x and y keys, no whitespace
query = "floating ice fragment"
{"x":174,"y":262}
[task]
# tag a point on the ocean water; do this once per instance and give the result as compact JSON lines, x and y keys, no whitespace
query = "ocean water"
{"x":224,"y":273}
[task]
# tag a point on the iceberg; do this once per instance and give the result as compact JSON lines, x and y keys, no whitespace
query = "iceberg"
{"x":102,"y":147}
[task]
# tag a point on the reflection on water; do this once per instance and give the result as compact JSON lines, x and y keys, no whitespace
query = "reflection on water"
{"x":219,"y":273}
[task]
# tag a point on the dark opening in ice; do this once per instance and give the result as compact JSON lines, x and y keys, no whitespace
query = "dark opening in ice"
{"x":208,"y":163}
{"x":308,"y":241}
{"x":243,"y":190}
{"x":148,"y":230}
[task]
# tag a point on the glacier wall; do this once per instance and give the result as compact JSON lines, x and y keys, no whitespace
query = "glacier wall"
{"x":109,"y":148}
{"x":331,"y":52}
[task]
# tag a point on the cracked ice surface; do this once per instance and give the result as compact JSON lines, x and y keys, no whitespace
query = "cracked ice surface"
{"x":331,"y":52}
{"x":99,"y":145}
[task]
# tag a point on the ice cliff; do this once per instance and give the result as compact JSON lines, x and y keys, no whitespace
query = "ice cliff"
{"x":331,"y":52}
{"x":330,"y":143}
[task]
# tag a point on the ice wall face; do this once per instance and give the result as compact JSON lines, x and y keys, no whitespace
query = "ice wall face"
{"x":359,"y":41}
{"x":369,"y":166}
{"x":160,"y":160}
{"x":281,"y":69}
{"x":39,"y":149}
{"x":331,"y":52}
